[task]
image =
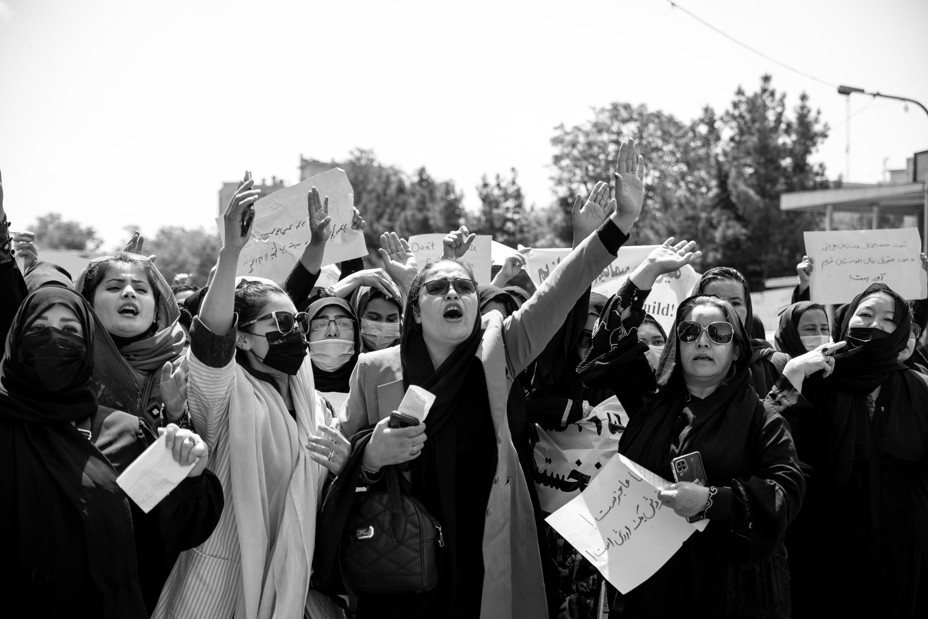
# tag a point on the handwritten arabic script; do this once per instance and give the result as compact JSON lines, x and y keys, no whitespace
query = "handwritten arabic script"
{"x":620,"y":525}
{"x":847,"y":261}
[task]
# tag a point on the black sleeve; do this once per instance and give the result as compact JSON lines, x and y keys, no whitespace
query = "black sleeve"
{"x":12,"y":293}
{"x":349,"y":267}
{"x":300,"y":283}
{"x":188,"y":516}
{"x":552,"y":412}
{"x":804,"y":295}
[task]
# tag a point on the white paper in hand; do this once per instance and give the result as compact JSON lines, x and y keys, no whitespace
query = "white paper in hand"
{"x":152,"y":476}
{"x":417,"y":402}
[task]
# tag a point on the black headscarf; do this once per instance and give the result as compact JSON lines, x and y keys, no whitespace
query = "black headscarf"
{"x":787,"y":338}
{"x":487,"y":293}
{"x":55,"y":480}
{"x":859,"y":369}
{"x":434,"y":472}
{"x":337,"y":379}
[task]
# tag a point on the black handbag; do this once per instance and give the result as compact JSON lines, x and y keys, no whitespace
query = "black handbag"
{"x":390,"y":543}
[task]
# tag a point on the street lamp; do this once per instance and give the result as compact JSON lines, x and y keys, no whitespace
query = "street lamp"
{"x":849,"y":90}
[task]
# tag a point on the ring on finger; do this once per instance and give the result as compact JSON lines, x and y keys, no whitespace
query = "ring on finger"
{"x":331,"y":455}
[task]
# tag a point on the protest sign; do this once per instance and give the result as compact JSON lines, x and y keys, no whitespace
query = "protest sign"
{"x":153,"y":475}
{"x":667,"y":292}
{"x":845,"y":262}
{"x":281,"y":231}
{"x":620,"y":525}
{"x":567,"y":460}
{"x":428,"y":248}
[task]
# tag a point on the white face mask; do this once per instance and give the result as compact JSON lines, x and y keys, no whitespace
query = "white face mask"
{"x":329,"y":355}
{"x":811,"y":342}
{"x":654,"y":356}
{"x":379,"y":334}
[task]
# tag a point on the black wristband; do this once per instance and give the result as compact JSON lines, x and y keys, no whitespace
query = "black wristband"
{"x":611,"y":237}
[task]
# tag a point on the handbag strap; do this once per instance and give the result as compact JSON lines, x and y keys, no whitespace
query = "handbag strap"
{"x":397,"y":515}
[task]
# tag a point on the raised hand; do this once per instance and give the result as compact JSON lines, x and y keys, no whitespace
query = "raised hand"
{"x":511,"y":267}
{"x":173,"y":389}
{"x":375,"y":278}
{"x":666,"y":258}
{"x":240,"y":215}
{"x":457,"y":242}
{"x":804,"y":271}
{"x":629,"y":186}
{"x":588,"y":217}
{"x":135,"y":245}
{"x":24,"y":246}
{"x":319,"y":220}
{"x":398,"y":260}
{"x":357,"y":222}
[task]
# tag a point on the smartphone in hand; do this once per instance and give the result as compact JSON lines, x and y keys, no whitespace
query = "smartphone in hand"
{"x":688,"y":467}
{"x":401,"y":420}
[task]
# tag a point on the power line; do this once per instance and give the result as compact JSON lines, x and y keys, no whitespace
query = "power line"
{"x":748,"y":47}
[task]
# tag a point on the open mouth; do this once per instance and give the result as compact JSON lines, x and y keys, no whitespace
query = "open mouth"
{"x":702,"y":358}
{"x":453,"y":312}
{"x":128,"y":310}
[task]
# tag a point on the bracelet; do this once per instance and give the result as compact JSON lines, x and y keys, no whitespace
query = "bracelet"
{"x":712,"y":492}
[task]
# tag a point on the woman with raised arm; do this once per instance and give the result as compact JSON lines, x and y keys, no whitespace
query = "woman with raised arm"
{"x":463,"y":465}
{"x":860,"y":422}
{"x":252,"y":396}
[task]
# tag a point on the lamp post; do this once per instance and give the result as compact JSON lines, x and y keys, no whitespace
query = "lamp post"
{"x":849,"y":90}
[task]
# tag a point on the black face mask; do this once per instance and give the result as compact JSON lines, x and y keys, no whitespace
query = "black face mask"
{"x":285,"y":352}
{"x":53,"y":357}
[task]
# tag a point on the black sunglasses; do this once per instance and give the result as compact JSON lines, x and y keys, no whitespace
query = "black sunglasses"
{"x":462,"y":285}
{"x":719,"y":332}
{"x":285,"y":321}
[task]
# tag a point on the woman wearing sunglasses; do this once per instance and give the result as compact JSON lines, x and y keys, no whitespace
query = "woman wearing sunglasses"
{"x":704,"y":403}
{"x":462,"y":462}
{"x":252,"y":397}
{"x":860,"y":422}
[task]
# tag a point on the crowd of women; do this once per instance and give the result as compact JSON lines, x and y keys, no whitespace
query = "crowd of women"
{"x":277,"y":397}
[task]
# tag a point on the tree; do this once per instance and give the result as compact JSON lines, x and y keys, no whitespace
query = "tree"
{"x":502,"y":212}
{"x":53,"y":232}
{"x":767,"y":153}
{"x":184,"y":250}
{"x":716,"y":180}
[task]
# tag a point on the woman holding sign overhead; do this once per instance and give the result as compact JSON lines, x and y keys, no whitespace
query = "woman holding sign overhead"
{"x":735,"y":461}
{"x":860,"y":418}
{"x":462,"y":462}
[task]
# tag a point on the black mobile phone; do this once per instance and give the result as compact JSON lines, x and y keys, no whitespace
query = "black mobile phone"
{"x":399,"y":420}
{"x":688,"y":467}
{"x":247,"y":218}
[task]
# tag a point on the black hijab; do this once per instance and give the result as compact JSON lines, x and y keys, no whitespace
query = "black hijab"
{"x":41,"y":449}
{"x":859,"y":369}
{"x":486,"y":293}
{"x":787,"y":338}
{"x":672,"y":422}
{"x":434,"y":472}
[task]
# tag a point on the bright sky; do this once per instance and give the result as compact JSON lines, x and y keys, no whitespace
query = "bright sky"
{"x":116,"y":113}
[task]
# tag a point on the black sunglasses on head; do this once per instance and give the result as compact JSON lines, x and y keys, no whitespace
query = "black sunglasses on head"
{"x":462,"y":285}
{"x":719,"y":332}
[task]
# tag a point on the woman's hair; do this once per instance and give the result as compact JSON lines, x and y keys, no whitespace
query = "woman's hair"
{"x":184,"y":288}
{"x":251,"y":297}
{"x":97,"y":270}
{"x":413,"y":301}
{"x":720,"y":274}
{"x":741,"y":341}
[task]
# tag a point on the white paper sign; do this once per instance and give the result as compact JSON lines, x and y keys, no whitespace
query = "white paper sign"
{"x":281,"y":228}
{"x":428,"y":248}
{"x":417,"y":402}
{"x":666,"y":294}
{"x":621,"y":527}
{"x":152,"y":476}
{"x":845,"y":262}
